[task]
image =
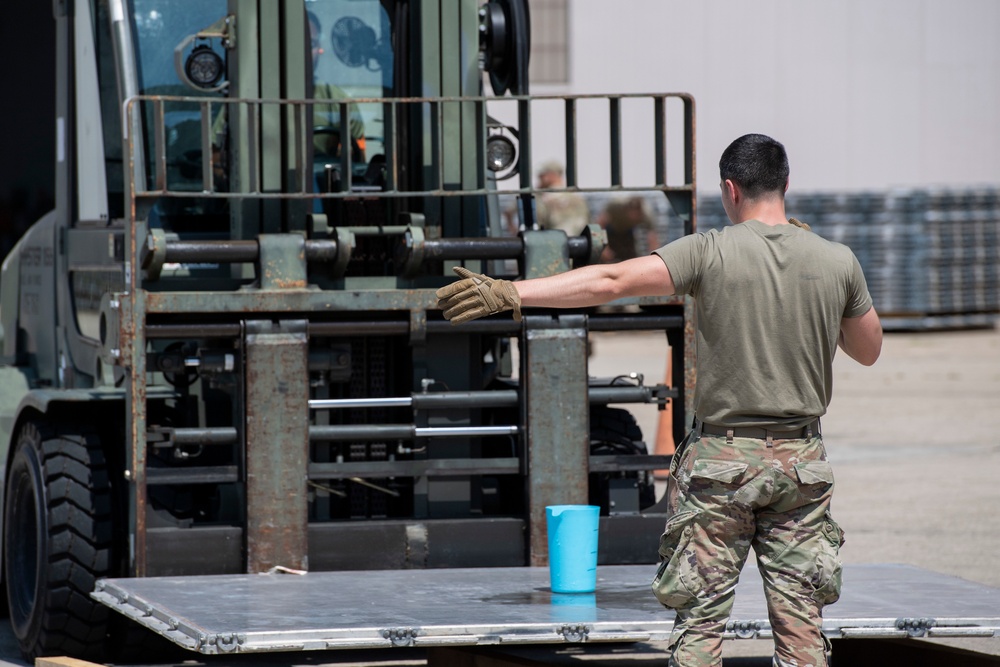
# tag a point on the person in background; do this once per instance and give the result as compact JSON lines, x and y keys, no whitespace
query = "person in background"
{"x":622,"y":219}
{"x":773,"y":304}
{"x":567,"y":211}
{"x":326,"y":117}
{"x":327,"y":142}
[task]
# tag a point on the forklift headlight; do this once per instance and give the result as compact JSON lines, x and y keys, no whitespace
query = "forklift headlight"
{"x":204,"y":67}
{"x":500,"y":153}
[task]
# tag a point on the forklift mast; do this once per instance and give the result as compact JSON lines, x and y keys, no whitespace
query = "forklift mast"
{"x":227,"y":332}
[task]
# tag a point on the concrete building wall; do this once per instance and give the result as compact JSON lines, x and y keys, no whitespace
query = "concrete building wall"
{"x":865,"y":94}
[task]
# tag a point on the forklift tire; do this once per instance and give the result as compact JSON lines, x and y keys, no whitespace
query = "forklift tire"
{"x":57,"y":542}
{"x":614,"y":428}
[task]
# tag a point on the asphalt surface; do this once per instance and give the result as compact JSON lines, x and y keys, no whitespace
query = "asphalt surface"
{"x":915,"y":447}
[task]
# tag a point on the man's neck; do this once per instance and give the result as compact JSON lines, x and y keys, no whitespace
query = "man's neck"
{"x":770,"y":211}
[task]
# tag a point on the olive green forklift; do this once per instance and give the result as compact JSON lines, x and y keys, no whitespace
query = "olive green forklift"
{"x":222,"y":354}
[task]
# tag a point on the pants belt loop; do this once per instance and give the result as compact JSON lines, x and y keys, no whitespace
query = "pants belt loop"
{"x":770,"y":440}
{"x":809,"y":431}
{"x":729,"y":436}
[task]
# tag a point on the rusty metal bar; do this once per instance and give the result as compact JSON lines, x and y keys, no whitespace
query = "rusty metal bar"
{"x":277,"y":389}
{"x":615,"y":130}
{"x":219,"y":435}
{"x":571,"y":147}
{"x":660,"y":139}
{"x":624,"y":462}
{"x":346,"y":146}
{"x":396,"y":194}
{"x":557,"y":441}
{"x":527,"y":203}
{"x":235,"y":251}
{"x":373,"y":432}
{"x":376,"y":230}
{"x":159,"y":146}
{"x":134,"y":341}
{"x":193,"y":475}
{"x":482,"y":130}
{"x":302,"y":152}
{"x":502,"y":398}
{"x":324,"y":250}
{"x":498,"y":326}
{"x":493,"y":248}
{"x":502,"y":325}
{"x":160,"y":331}
{"x":634,"y":322}
{"x":412,"y":468}
{"x":252,"y":109}
{"x":221,"y":252}
{"x":207,"y":156}
{"x":253,"y":148}
{"x":345,"y":403}
{"x":689,"y":168}
{"x":417,"y":468}
{"x":373,"y":328}
{"x":464,"y":466}
{"x":437,"y":137}
{"x":390,"y":123}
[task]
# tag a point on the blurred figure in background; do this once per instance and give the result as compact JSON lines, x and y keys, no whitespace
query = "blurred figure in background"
{"x":621,"y":219}
{"x":567,"y":211}
{"x":327,"y":130}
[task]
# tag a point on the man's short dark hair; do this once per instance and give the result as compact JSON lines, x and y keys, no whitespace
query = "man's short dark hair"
{"x":757,"y":164}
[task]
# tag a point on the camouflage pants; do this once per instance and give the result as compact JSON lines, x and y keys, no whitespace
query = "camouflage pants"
{"x":725,"y":497}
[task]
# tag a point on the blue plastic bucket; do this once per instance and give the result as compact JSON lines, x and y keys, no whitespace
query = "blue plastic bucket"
{"x":572,"y":533}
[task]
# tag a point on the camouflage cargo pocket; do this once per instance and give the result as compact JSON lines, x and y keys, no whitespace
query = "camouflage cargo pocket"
{"x":829,"y":569}
{"x":814,"y":472}
{"x":668,"y":584}
{"x":726,"y":472}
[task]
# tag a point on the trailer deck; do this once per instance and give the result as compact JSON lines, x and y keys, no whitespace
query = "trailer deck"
{"x":510,"y":606}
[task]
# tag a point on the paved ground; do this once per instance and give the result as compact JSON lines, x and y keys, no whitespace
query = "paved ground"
{"x":915,"y":442}
{"x":915,"y":445}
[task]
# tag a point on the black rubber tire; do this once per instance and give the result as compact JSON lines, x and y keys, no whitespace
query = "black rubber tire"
{"x":57,"y":542}
{"x":614,"y":426}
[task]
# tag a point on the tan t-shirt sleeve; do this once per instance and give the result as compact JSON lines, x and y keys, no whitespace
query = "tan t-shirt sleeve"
{"x":684,"y":259}
{"x":859,"y":300}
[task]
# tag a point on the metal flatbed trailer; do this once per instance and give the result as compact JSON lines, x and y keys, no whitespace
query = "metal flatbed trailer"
{"x":511,"y":606}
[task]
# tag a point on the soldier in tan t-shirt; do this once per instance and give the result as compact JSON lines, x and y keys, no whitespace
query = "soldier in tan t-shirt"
{"x":774,"y":302}
{"x":567,"y":211}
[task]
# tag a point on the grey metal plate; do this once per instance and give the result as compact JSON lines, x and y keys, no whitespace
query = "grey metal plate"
{"x":452,"y":607}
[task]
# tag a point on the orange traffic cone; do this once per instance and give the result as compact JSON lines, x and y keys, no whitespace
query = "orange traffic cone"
{"x":665,"y":429}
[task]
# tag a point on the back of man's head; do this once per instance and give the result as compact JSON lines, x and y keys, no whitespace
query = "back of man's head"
{"x":757,"y":164}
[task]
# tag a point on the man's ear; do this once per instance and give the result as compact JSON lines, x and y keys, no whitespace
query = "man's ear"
{"x":733,"y":191}
{"x":787,"y":181}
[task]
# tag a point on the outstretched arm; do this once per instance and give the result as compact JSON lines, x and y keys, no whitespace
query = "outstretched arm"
{"x":476,"y":295}
{"x":598,"y":284}
{"x":861,"y":337}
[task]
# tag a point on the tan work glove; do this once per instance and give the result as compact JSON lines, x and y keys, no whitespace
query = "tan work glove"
{"x":475,"y":296}
{"x":799,"y":223}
